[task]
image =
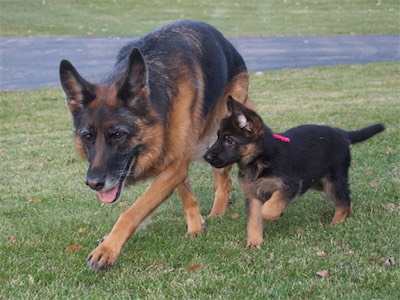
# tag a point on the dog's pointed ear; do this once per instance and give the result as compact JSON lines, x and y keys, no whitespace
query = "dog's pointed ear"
{"x":135,"y":84}
{"x":239,"y":111}
{"x":78,"y":91}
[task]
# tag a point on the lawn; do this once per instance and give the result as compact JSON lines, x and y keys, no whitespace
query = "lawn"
{"x":237,"y":18}
{"x":50,"y":220}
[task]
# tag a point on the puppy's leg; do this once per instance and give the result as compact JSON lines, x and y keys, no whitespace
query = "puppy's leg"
{"x":254,"y":223}
{"x":222,"y":191}
{"x":273,"y":208}
{"x":338,"y":191}
{"x":191,"y":209}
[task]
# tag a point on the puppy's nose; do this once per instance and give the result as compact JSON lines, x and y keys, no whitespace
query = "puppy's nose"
{"x":209,"y":156}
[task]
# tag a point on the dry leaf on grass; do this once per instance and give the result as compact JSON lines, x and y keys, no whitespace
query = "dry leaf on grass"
{"x":390,"y":261}
{"x":369,"y":172}
{"x":389,"y":150}
{"x":34,"y":201}
{"x":234,"y":216}
{"x":123,"y":204}
{"x":82,"y":230}
{"x":73,"y":248}
{"x":11,"y":239}
{"x":322,"y":253}
{"x":323,"y":274}
{"x":391,"y":206}
{"x":373,"y":184}
{"x":195,"y":267}
{"x":31,"y":280}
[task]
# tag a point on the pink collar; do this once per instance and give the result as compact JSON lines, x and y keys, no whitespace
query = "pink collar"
{"x":281,"y":137}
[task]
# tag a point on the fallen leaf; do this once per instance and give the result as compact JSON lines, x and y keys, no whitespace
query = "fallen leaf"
{"x":30,"y":279}
{"x":345,"y":265}
{"x":369,"y":172}
{"x":123,"y":204}
{"x":234,"y":216}
{"x":195,"y":267}
{"x":391,"y":206}
{"x":389,"y":150}
{"x":82,"y":230}
{"x":390,"y":261}
{"x":373,"y":184}
{"x":34,"y":201}
{"x":73,"y":248}
{"x":11,"y":239}
{"x":323,"y":274}
{"x":322,"y":253}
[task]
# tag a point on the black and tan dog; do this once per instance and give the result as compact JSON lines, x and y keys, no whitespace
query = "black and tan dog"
{"x":156,"y":112}
{"x":276,"y":169}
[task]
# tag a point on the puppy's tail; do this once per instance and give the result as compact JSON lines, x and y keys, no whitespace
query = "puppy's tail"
{"x":365,"y":133}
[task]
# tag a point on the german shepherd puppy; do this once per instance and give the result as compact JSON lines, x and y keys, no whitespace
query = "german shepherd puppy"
{"x":276,"y":169}
{"x":157,"y":111}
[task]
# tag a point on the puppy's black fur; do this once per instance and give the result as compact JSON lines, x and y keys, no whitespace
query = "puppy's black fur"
{"x":274,"y":171}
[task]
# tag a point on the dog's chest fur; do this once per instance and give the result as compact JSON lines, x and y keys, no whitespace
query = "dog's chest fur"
{"x":256,"y":186}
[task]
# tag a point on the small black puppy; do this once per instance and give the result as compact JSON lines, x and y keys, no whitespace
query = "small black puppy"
{"x":276,"y":169}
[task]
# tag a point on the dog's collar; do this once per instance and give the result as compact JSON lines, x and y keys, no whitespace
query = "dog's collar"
{"x":281,"y":138}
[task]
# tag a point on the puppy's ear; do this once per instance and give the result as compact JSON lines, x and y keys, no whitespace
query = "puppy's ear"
{"x":231,"y":105}
{"x":245,"y":118}
{"x":240,"y":113}
{"x":244,"y":123}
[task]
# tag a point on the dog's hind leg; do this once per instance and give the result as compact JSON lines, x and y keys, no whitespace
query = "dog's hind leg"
{"x":222,"y":191}
{"x":339,"y":193}
{"x":191,"y":209}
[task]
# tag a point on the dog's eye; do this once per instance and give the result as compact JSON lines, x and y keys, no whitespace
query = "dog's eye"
{"x":229,"y":141}
{"x":118,"y":135}
{"x":88,"y":136}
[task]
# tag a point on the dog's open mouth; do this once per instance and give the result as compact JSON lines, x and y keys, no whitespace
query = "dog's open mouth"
{"x":113,"y":194}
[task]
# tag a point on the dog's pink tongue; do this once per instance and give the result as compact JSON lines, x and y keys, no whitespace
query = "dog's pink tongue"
{"x":109,"y":196}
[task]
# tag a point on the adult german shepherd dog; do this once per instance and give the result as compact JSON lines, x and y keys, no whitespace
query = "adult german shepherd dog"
{"x":157,"y":111}
{"x":276,"y":169}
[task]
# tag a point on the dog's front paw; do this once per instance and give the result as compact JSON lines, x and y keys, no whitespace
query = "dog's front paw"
{"x":102,"y":258}
{"x":193,"y":231}
{"x":254,"y":243}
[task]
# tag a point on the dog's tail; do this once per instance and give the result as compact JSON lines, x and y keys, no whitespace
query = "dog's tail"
{"x":364,"y":133}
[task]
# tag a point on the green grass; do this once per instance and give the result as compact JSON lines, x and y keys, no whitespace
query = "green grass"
{"x":44,"y":203}
{"x":239,"y":18}
{"x":45,"y":206}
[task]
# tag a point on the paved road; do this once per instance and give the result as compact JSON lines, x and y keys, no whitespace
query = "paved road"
{"x":32,"y":62}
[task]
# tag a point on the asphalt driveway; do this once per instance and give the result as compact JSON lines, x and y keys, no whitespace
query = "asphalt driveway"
{"x":32,"y":62}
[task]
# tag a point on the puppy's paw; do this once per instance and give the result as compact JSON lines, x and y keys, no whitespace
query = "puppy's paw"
{"x":254,"y":243}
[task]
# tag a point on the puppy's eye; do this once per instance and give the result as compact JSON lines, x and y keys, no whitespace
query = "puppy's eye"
{"x":229,"y":141}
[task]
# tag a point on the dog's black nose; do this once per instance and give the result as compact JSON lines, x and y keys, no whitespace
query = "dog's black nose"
{"x":209,"y":157}
{"x":95,"y":182}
